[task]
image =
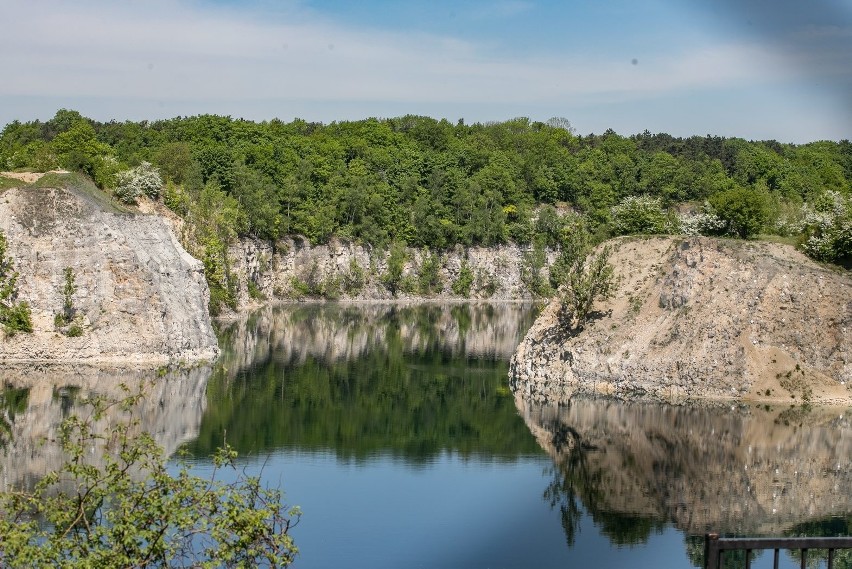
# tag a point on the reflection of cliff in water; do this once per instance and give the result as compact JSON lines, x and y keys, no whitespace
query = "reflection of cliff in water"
{"x":35,"y":400}
{"x":639,"y":466}
{"x":359,"y":380}
{"x":331,"y":331}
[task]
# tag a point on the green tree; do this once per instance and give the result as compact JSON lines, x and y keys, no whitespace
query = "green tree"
{"x":429,"y":276}
{"x":532,"y":263}
{"x":14,"y":316}
{"x":128,"y":510}
{"x":588,"y":276}
{"x":79,"y":149}
{"x":461,"y":286}
{"x":392,"y":278}
{"x":744,"y":210}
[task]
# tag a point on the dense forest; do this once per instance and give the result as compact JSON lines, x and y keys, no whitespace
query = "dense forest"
{"x":430,"y":183}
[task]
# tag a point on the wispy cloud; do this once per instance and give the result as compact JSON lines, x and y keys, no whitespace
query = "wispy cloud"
{"x":172,"y":50}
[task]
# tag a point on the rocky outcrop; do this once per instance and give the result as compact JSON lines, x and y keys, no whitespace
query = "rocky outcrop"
{"x":748,"y":470}
{"x":140,"y":297}
{"x":355,"y":272}
{"x":700,"y":318}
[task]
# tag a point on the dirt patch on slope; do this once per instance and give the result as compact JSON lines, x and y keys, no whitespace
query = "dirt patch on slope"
{"x":30,"y":177}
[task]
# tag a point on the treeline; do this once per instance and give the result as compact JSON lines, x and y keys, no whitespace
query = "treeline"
{"x":431,"y":183}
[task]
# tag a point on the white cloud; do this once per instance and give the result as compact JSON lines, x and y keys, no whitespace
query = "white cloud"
{"x":173,"y":50}
{"x":167,"y":50}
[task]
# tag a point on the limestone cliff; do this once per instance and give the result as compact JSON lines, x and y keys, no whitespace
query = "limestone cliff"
{"x":697,"y":318}
{"x":140,"y":296}
{"x":498,"y":273}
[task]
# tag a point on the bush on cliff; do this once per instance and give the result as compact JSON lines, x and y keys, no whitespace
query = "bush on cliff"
{"x":14,"y":316}
{"x":588,"y":276}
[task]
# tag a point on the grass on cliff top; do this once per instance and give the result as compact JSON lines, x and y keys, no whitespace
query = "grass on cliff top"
{"x":6,"y":183}
{"x":83,"y":187}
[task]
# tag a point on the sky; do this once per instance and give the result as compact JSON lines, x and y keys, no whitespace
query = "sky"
{"x":757,"y":69}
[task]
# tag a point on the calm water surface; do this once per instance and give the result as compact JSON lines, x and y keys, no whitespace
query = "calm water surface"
{"x":394,"y":430}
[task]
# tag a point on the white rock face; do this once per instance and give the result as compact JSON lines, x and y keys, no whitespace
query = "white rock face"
{"x":142,"y":298}
{"x":700,"y":318}
{"x":497,"y":271}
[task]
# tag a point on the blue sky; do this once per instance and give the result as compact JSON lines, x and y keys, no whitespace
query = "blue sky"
{"x":758,"y":69}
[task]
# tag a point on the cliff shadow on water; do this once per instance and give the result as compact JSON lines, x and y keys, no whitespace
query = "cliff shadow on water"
{"x":638,"y":467}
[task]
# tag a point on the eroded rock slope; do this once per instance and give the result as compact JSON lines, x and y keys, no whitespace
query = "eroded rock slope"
{"x":140,"y":296}
{"x":698,"y":318}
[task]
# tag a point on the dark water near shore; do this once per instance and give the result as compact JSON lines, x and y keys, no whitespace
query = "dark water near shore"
{"x":394,"y":430}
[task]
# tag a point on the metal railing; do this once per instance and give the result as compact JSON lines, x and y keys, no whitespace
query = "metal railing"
{"x":715,"y":546}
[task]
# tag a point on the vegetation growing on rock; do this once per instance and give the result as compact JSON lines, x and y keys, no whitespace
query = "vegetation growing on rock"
{"x":14,"y":315}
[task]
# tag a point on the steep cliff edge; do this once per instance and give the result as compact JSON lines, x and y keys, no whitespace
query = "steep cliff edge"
{"x":356,"y":272}
{"x":700,"y":318}
{"x":140,"y":297}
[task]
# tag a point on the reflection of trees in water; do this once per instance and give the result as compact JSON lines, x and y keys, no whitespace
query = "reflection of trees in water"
{"x":345,"y":331}
{"x":358,"y":380}
{"x":13,"y":402}
{"x":734,"y":559}
{"x":831,"y":527}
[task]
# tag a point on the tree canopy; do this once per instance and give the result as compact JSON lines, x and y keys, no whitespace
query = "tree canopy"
{"x":430,"y":183}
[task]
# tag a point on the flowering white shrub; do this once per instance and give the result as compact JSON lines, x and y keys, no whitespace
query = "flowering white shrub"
{"x":639,"y":214}
{"x":827,"y":225}
{"x":704,"y":222}
{"x":141,"y":180}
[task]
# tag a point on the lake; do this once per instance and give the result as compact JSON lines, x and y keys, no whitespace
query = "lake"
{"x":393,"y":427}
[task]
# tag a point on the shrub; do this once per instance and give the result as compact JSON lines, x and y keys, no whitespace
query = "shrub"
{"x":14,"y":316}
{"x":141,"y":180}
{"x":299,"y":288}
{"x":254,"y":291}
{"x":17,"y":318}
{"x":639,"y":214}
{"x":74,"y":331}
{"x":827,"y":228}
{"x":128,"y":510}
{"x":704,"y":222}
{"x":461,"y":286}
